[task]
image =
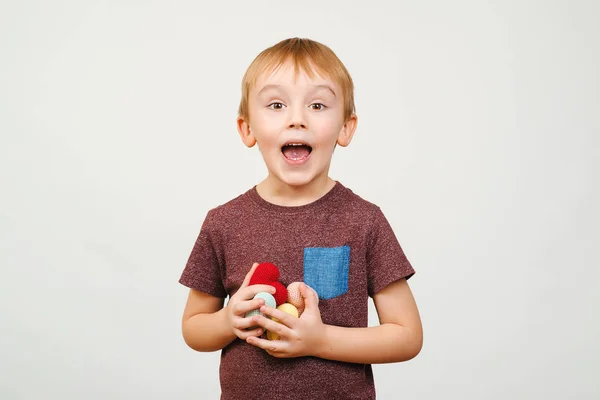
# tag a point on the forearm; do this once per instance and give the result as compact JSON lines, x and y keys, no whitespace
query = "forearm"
{"x":208,"y":331}
{"x":384,"y":343}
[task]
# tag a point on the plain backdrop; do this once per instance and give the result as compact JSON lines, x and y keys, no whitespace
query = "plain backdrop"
{"x":478,"y":136}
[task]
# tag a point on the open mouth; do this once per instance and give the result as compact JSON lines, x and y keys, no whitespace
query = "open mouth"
{"x":296,"y":151}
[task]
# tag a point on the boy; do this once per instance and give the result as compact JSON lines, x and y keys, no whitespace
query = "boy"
{"x":297,"y":105}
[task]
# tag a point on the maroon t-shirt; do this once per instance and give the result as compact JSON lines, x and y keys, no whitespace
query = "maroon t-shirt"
{"x":341,"y":245}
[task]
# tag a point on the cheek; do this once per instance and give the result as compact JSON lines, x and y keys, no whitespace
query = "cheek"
{"x":261,"y":123}
{"x":327,"y":129}
{"x":266,"y":131}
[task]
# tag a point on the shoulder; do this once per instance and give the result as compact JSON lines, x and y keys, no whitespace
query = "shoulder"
{"x":359,"y":205}
{"x":366,"y":213}
{"x":221,"y":214}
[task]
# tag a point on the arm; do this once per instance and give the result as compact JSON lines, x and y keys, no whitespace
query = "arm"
{"x":208,"y":326}
{"x":398,"y":338}
{"x":205,"y":326}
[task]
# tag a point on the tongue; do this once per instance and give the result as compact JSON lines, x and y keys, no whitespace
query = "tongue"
{"x":295,"y":152}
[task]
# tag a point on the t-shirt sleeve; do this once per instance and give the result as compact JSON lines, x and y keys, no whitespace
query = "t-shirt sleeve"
{"x":202,"y":271}
{"x":386,"y":261}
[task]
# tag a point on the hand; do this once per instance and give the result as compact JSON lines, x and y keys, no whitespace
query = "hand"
{"x":298,"y":337}
{"x":241,"y":303}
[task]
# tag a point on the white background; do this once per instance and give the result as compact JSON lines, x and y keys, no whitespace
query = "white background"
{"x":478,"y":136}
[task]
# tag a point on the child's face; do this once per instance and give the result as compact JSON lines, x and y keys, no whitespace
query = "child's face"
{"x":304,"y":111}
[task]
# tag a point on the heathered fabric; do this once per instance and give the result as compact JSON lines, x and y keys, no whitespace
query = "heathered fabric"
{"x":249,"y":229}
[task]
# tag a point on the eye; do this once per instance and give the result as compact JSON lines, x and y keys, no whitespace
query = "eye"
{"x":317,"y":106}
{"x":275,"y":106}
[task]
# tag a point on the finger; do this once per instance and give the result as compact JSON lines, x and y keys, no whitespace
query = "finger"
{"x":246,"y":306}
{"x":272,"y":346}
{"x":245,"y":334}
{"x":271,"y":326}
{"x":283,"y":318}
{"x":244,"y":323}
{"x":249,"y":292}
{"x":311,"y":298}
{"x":246,"y":281}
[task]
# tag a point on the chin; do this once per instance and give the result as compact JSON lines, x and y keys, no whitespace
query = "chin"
{"x":297,"y":180}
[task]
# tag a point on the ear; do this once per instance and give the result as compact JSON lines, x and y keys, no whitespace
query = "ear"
{"x":347,"y":132}
{"x":245,"y":132}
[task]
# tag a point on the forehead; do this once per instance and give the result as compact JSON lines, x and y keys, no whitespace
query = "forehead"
{"x":287,"y":74}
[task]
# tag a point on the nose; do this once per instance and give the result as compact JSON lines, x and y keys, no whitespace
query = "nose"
{"x":297,"y":118}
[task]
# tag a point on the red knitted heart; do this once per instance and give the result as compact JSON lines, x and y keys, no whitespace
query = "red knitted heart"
{"x":264,"y":273}
{"x":280,"y":292}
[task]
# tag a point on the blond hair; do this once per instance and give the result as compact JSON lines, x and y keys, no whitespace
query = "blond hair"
{"x":306,"y":54}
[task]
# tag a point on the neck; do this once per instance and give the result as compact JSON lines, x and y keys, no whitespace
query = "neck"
{"x":280,"y":193}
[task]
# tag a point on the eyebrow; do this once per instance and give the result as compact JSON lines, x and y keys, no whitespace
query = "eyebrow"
{"x":271,"y":86}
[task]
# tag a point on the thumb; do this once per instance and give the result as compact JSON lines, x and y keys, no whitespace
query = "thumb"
{"x":311,"y":298}
{"x":249,"y":275}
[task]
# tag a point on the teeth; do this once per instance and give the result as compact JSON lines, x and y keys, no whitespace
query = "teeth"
{"x":296,"y":144}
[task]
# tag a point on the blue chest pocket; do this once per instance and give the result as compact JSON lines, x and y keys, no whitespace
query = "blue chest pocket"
{"x":326,"y":270}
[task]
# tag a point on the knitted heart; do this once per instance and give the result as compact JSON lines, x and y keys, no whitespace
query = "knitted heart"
{"x":265,"y":273}
{"x":280,"y":292}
